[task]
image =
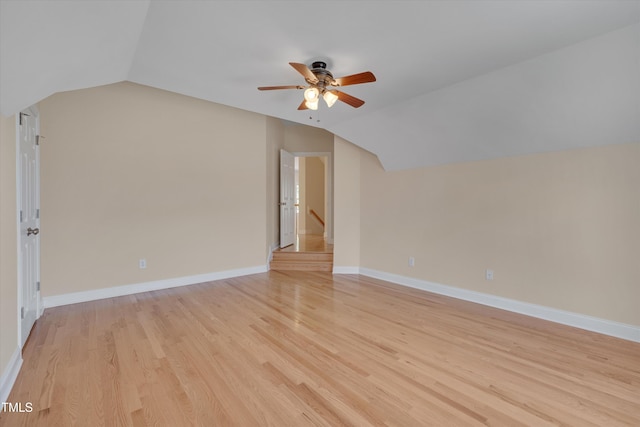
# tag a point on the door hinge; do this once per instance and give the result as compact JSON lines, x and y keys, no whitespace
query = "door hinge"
{"x":22,"y":313}
{"x":38,"y":286}
{"x":21,"y":216}
{"x":23,"y":114}
{"x":37,"y":213}
{"x":38,"y":138}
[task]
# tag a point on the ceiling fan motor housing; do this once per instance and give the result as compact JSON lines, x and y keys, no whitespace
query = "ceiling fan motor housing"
{"x":324,"y":76}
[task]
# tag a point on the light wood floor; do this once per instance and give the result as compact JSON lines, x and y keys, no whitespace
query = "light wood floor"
{"x":309,"y":243}
{"x":312,"y":349}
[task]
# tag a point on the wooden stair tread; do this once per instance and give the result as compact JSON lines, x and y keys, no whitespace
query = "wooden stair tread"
{"x":301,"y":266}
{"x":302,"y":256}
{"x":302,"y":261}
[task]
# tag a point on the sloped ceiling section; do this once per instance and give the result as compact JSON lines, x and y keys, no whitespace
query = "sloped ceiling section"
{"x":55,"y":46}
{"x":584,"y":95}
{"x":457,"y":81}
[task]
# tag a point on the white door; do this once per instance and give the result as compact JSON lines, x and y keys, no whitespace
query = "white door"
{"x":287,"y":199}
{"x":29,"y":203}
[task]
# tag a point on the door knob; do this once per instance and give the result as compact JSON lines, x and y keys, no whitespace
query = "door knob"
{"x":33,"y":231}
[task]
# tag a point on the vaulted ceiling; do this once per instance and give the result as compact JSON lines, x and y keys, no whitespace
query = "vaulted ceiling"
{"x":456,"y":80}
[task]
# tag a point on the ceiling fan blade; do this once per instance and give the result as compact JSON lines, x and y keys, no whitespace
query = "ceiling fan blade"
{"x":351,"y":100}
{"x":305,"y":71}
{"x":280,"y":87}
{"x":355,"y":79}
{"x":303,"y":106}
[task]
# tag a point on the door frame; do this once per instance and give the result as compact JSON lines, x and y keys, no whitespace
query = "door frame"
{"x":33,"y":110}
{"x":328,"y":188}
{"x":287,"y":193}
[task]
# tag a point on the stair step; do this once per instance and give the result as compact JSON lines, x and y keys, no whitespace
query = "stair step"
{"x":303,"y":256}
{"x":302,"y":261}
{"x":301,"y":266}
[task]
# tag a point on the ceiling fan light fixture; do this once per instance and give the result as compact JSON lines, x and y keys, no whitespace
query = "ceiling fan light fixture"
{"x":319,"y":82}
{"x":311,"y":95}
{"x":312,"y":105}
{"x":330,"y":98}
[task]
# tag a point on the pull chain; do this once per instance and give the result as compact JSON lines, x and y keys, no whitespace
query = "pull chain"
{"x":317,"y":116}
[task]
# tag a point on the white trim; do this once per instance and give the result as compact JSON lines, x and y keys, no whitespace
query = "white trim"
{"x":19,"y":243}
{"x":346,"y":270}
{"x":270,"y":256}
{"x":594,"y":324}
{"x":117,"y":291}
{"x":34,"y":112}
{"x":312,"y":154}
{"x":9,"y":375}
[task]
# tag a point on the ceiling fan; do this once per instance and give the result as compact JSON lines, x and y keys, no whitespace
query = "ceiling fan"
{"x":322,"y":84}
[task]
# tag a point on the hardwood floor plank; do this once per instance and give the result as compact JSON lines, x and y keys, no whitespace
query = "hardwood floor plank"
{"x":309,"y":348}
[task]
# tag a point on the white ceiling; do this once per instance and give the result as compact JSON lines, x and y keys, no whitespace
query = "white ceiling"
{"x":457,"y":80}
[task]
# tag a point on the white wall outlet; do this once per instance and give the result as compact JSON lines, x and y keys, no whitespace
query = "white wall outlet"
{"x":412,"y":261}
{"x":142,"y":263}
{"x":489,"y":274}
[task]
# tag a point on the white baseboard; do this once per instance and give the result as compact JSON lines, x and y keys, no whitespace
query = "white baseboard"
{"x":118,"y":291}
{"x":589,"y":323}
{"x":346,"y":270}
{"x":272,"y":248}
{"x":9,"y":375}
{"x":603,"y":326}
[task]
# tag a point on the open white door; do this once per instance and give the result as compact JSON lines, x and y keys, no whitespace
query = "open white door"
{"x":287,"y":199}
{"x":29,"y":217}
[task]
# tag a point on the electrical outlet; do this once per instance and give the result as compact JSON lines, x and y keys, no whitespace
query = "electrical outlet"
{"x":142,"y":263}
{"x":412,"y":261}
{"x":489,"y":274}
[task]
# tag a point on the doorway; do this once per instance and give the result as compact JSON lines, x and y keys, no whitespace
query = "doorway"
{"x":306,"y":196}
{"x":306,"y":232}
{"x":29,"y":301}
{"x":314,"y":196}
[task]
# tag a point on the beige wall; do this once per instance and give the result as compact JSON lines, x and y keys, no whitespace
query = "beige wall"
{"x":311,"y":179}
{"x":132,"y":172}
{"x":307,"y":139}
{"x":347,"y":193}
{"x":275,"y":141}
{"x":559,"y":229}
{"x":314,"y":194}
{"x":8,"y":243}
